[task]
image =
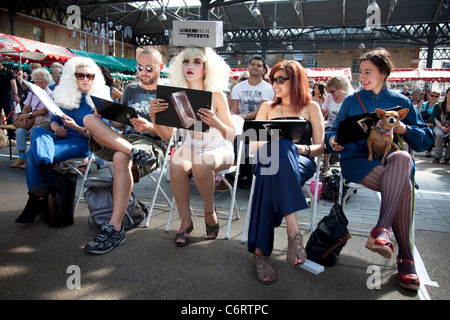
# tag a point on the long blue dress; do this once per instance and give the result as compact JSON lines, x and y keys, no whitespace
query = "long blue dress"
{"x":280,"y":174}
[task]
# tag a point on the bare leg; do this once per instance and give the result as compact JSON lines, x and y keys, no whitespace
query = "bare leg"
{"x":105,"y":136}
{"x":180,"y":168}
{"x":122,"y":187}
{"x":204,"y":167}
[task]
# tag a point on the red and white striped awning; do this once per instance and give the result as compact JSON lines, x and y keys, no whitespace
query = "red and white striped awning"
{"x":323,"y":74}
{"x":427,"y":75}
{"x":21,"y":49}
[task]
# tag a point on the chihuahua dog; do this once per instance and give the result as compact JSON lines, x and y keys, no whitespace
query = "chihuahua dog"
{"x":381,"y":138}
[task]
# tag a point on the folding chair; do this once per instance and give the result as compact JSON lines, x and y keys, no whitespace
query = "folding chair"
{"x":314,"y":199}
{"x":84,"y":175}
{"x":162,"y":170}
{"x":238,"y":123}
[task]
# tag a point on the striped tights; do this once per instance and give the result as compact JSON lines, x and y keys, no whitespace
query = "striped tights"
{"x":393,"y":180}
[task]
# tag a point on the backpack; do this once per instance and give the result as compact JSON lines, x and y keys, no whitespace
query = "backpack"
{"x":99,"y":198}
{"x":331,"y":189}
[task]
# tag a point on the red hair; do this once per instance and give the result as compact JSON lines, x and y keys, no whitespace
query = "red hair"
{"x":299,"y":87}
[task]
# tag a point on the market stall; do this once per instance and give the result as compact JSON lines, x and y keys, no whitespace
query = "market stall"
{"x":25,"y":50}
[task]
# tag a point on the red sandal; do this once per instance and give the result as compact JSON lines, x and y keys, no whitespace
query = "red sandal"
{"x":378,"y":245}
{"x":408,"y":281}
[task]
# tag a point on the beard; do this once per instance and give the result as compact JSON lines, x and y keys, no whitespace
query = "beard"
{"x":149,"y":80}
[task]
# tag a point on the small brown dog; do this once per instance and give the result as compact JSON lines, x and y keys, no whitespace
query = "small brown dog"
{"x":381,"y":138}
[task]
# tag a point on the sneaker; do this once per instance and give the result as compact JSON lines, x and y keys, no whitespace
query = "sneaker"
{"x":436,"y":160}
{"x":145,"y":161}
{"x":106,"y":240}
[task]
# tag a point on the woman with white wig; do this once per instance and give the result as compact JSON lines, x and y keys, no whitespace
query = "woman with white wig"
{"x":202,"y":154}
{"x":67,"y":138}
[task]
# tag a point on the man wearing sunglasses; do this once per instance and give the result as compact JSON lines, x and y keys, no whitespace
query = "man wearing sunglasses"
{"x":135,"y":153}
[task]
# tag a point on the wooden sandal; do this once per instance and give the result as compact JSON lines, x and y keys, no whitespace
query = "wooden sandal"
{"x":296,"y":250}
{"x":408,"y":281}
{"x":378,"y":245}
{"x":264,"y":271}
{"x":182,"y":236}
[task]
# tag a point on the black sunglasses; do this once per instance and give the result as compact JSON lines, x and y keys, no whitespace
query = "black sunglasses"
{"x":81,"y":76}
{"x":279,"y":80}
{"x":149,"y":69}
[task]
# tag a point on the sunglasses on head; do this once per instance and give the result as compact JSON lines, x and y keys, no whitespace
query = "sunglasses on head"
{"x":149,"y":69}
{"x":81,"y":76}
{"x":279,"y":80}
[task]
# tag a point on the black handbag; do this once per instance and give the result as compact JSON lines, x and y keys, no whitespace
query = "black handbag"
{"x":328,"y":239}
{"x":60,"y":211}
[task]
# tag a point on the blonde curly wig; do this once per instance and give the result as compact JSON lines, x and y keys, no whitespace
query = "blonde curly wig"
{"x":66,"y":94}
{"x":217,"y":71}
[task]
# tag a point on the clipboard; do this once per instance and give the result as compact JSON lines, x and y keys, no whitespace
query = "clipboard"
{"x":114,"y":111}
{"x":358,"y":127}
{"x":51,"y":106}
{"x":265,"y":130}
{"x":183,"y":107}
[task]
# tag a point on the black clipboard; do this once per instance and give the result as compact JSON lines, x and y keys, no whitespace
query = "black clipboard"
{"x":356,"y":128}
{"x":183,"y":107}
{"x":264,"y":130}
{"x":114,"y":111}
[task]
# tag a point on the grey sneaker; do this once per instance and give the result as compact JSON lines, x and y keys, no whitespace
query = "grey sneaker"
{"x":106,"y":240}
{"x":145,"y":161}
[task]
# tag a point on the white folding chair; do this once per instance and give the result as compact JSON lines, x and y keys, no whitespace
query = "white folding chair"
{"x":353,"y":186}
{"x":238,"y":123}
{"x":314,"y":199}
{"x":84,"y":175}
{"x":157,"y":181}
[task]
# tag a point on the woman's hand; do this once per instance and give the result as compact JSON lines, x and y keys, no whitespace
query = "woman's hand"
{"x":208,"y":117}
{"x":61,"y":132}
{"x":157,"y":105}
{"x":335,"y":146}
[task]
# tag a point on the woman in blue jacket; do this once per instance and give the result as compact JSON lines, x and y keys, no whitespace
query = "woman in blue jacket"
{"x":67,"y":138}
{"x":393,"y":179}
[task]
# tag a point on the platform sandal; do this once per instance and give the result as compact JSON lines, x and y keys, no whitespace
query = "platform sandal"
{"x":408,"y":281}
{"x":264,"y":271}
{"x":378,"y":245}
{"x":296,"y":250}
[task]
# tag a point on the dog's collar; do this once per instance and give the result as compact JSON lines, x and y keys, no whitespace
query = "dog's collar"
{"x":380,"y":129}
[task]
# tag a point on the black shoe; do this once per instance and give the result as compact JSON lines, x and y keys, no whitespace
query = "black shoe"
{"x":31,"y":210}
{"x":146,"y":163}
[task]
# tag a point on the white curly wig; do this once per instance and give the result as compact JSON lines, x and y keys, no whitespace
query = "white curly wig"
{"x":217,"y":71}
{"x":67,"y":95}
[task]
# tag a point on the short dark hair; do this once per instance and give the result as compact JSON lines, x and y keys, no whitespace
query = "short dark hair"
{"x":381,"y":58}
{"x":266,"y":68}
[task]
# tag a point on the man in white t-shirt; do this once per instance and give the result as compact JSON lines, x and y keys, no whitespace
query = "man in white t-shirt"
{"x":246,"y":98}
{"x":248,"y":95}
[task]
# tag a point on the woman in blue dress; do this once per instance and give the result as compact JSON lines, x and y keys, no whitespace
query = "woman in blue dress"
{"x":68,"y":138}
{"x":393,"y":179}
{"x":282,"y":168}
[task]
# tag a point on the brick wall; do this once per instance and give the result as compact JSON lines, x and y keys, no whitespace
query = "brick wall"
{"x":59,"y":34}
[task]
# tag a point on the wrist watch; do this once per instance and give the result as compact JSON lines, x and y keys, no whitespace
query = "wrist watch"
{"x":31,"y":114}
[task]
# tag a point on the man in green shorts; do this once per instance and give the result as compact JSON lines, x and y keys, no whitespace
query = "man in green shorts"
{"x":139,"y":147}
